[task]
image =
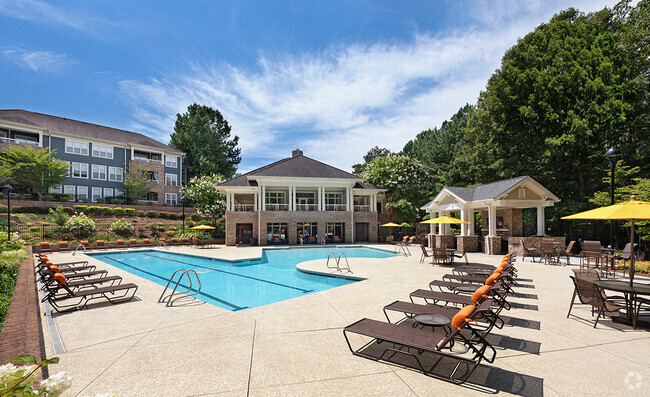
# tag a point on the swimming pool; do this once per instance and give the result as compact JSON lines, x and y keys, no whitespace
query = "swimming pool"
{"x":237,"y":285}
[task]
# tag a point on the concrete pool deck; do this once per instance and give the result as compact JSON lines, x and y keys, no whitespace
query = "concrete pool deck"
{"x":296,"y":347}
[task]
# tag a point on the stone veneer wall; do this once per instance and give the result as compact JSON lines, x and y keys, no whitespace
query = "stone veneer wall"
{"x":512,"y":220}
{"x":292,"y":218}
{"x":514,"y":244}
{"x":467,"y":243}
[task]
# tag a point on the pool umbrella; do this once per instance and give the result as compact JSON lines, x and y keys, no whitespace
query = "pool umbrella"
{"x":203,"y":227}
{"x":630,"y":210}
{"x":390,"y":224}
{"x":444,"y":219}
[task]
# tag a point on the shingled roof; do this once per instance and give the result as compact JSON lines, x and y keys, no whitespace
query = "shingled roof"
{"x":81,"y":129}
{"x":486,"y":191}
{"x":297,"y":166}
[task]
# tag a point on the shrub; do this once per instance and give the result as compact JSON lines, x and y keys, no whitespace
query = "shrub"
{"x":129,"y":211}
{"x":171,"y":233}
{"x":80,"y":226}
{"x":121,"y":228}
{"x":58,"y":215}
{"x":81,"y":208}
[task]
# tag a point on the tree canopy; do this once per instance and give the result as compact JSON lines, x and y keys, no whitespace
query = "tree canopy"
{"x":404,"y":179}
{"x":372,"y":154}
{"x":204,"y":135}
{"x":136,"y":182}
{"x":32,"y":170}
{"x":202,"y":192}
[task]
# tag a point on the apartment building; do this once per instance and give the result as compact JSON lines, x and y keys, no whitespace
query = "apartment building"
{"x":98,"y":155}
{"x":299,"y":200}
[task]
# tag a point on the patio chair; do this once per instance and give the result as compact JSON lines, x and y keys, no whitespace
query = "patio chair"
{"x":185,"y":241}
{"x":589,"y":294}
{"x":483,"y":292}
{"x":45,"y":247}
{"x":133,"y":242}
{"x":120,"y":244}
{"x":425,"y":253}
{"x":100,"y":244}
{"x":173,"y":241}
{"x":639,"y":304}
{"x":591,"y":254}
{"x":442,"y":257}
{"x":113,"y":294}
{"x":624,"y":256}
{"x":568,"y":251}
{"x":549,"y":252}
{"x":63,"y":246}
{"x":529,"y":251}
{"x":146,"y":242}
{"x":426,"y":341}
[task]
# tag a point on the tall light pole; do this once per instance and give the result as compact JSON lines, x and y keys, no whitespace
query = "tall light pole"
{"x":611,"y":156}
{"x":9,"y":189}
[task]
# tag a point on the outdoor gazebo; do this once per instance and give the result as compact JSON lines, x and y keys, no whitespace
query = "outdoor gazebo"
{"x":501,"y":205}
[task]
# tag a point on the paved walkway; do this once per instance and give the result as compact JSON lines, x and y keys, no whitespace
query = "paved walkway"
{"x":296,"y":347}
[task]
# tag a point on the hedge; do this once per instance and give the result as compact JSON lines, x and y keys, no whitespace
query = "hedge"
{"x":96,"y":210}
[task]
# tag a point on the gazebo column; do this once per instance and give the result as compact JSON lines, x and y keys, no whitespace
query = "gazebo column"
{"x":541,"y":221}
{"x":492,"y":241}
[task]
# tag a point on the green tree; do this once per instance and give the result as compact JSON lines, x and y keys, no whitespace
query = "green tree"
{"x":202,"y":191}
{"x":551,"y":108}
{"x":438,"y":150}
{"x":204,"y":135}
{"x":32,"y":170}
{"x":136,"y":182}
{"x":372,"y":154}
{"x":405,"y":180}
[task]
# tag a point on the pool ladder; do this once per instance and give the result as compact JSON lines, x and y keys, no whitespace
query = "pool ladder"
{"x":77,"y":249}
{"x":402,"y":249}
{"x":169,"y":298}
{"x":337,"y":262}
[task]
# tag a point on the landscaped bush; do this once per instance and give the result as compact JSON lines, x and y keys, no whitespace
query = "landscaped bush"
{"x":58,"y":215}
{"x":10,"y":258}
{"x":80,"y":226}
{"x":121,"y":228}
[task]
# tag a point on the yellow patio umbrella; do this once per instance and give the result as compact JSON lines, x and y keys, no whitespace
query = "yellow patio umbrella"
{"x":202,"y":227}
{"x":390,"y":224}
{"x":630,"y":210}
{"x":444,"y":219}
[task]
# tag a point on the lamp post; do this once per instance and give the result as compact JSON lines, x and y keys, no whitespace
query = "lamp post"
{"x":9,"y":189}
{"x":611,"y":156}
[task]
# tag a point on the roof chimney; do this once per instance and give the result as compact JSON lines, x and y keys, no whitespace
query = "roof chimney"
{"x":296,"y":153}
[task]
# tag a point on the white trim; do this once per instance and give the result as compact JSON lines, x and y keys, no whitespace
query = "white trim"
{"x":72,"y":164}
{"x":92,"y":194}
{"x":174,"y":179}
{"x":168,"y":196}
{"x":106,"y":147}
{"x":85,"y":194}
{"x":106,"y":189}
{"x":73,"y":194}
{"x":73,"y":141}
{"x":175,"y":161}
{"x":99,"y":178}
{"x":121,"y":174}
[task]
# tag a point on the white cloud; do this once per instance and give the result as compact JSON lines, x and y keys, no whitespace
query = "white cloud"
{"x":38,"y":61}
{"x":337,"y":104}
{"x":68,"y":14}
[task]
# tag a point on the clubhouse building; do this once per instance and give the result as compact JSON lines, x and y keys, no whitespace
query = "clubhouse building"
{"x":299,"y":200}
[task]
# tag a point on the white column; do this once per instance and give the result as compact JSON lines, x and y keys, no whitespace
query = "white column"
{"x":373,"y":203}
{"x":228,"y":201}
{"x":541,"y":221}
{"x":471,"y":225}
{"x":463,"y":226}
{"x":263,"y":197}
{"x":293,"y":200}
{"x":347,"y":199}
{"x":492,"y":221}
{"x":318,"y":201}
{"x":255,"y":202}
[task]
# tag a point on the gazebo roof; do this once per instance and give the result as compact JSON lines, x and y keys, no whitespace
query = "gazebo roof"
{"x":501,"y":191}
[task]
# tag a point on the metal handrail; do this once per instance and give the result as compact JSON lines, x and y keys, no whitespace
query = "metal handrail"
{"x":162,"y":244}
{"x":76,"y":249}
{"x":347,"y":264}
{"x":402,"y":249}
{"x":169,"y":298}
{"x":331,"y":254}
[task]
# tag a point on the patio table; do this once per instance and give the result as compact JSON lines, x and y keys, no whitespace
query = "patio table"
{"x":630,"y":292}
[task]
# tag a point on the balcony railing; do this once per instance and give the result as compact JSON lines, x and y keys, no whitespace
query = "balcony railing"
{"x":277,"y":207}
{"x":18,"y":141}
{"x":335,"y":207}
{"x":244,"y":207}
{"x":153,"y":161}
{"x":306,"y":207}
{"x":361,"y":208}
{"x":154,"y":181}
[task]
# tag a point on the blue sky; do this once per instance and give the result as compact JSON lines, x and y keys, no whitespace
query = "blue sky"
{"x":333,"y":78}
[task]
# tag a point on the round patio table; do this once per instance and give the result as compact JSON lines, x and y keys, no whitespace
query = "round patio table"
{"x":434,"y":320}
{"x":629,"y":291}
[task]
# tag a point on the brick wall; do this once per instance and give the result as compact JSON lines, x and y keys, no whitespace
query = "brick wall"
{"x":51,"y":204}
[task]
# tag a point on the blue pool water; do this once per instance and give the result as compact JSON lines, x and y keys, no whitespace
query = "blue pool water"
{"x":237,"y":285}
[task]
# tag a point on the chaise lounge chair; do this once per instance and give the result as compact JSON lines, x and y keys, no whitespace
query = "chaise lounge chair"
{"x":114,"y":294}
{"x":63,"y":246}
{"x":425,"y":341}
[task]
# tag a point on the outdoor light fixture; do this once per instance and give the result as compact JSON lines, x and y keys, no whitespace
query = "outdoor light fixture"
{"x":611,"y":155}
{"x":9,"y":189}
